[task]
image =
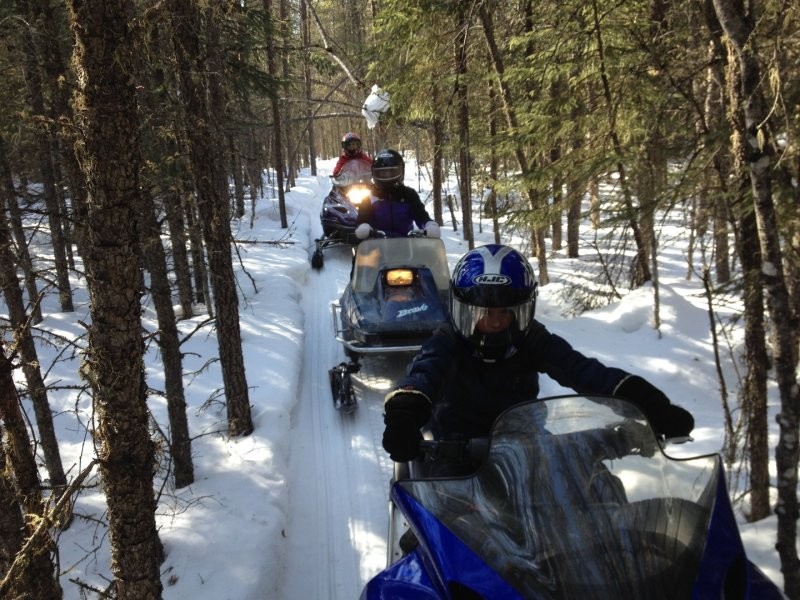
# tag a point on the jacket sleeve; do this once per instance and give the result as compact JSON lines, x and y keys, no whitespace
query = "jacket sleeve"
{"x":559,"y":360}
{"x":339,"y":164}
{"x":418,"y":211}
{"x":433,"y":365}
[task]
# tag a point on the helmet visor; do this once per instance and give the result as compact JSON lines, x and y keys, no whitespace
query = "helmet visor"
{"x":389,"y":173}
{"x":352,"y":145}
{"x":470,"y":320}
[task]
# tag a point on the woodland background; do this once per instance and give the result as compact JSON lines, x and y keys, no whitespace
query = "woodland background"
{"x":133,"y":131}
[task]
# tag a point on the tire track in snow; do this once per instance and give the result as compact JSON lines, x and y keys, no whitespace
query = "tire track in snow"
{"x":339,"y":474}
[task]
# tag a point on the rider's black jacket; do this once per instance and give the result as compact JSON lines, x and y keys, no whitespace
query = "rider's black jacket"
{"x":468,"y":393}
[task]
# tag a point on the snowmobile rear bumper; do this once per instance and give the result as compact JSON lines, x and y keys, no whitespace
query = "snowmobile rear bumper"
{"x":372,"y":343}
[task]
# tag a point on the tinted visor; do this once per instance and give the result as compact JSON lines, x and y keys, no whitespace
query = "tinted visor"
{"x":352,"y":145}
{"x":390,"y":173}
{"x":466,"y":316}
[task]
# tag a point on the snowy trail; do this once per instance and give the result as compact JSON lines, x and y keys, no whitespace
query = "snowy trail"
{"x":336,"y":539}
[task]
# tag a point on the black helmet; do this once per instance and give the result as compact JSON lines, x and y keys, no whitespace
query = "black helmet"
{"x":388,"y":168}
{"x":493,"y":277}
{"x":351,"y":143}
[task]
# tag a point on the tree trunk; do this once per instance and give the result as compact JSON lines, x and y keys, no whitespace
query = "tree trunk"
{"x":437,"y":142}
{"x":237,"y":174}
{"x":754,"y":390}
{"x":106,"y":114}
{"x":277,"y":141}
{"x":714,"y":108}
{"x":729,"y":164}
{"x":24,"y":344}
{"x":33,"y":80}
{"x":35,"y":575}
{"x":199,"y":271}
{"x":739,"y":27}
{"x":15,"y":219}
{"x":307,"y":83}
{"x":49,"y":38}
{"x":575,"y":191}
{"x":462,"y":101}
{"x":557,"y":208}
{"x":205,"y":140}
{"x":12,"y":525}
{"x":494,"y":167}
{"x":522,"y":160}
{"x":168,"y":342}
{"x":180,"y":258}
{"x":641,"y":267}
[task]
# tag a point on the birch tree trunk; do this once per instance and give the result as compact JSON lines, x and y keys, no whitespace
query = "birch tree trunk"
{"x":738,"y":26}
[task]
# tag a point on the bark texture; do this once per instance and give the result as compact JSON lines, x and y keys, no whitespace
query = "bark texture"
{"x":109,"y":155}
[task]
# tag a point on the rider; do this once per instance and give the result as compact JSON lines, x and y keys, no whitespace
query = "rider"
{"x":351,"y":151}
{"x":393,"y":207}
{"x":489,"y":357}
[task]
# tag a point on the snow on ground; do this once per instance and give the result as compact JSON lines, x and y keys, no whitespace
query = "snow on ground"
{"x":298,"y":509}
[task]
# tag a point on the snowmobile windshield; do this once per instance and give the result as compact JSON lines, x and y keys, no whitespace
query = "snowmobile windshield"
{"x":577,"y":500}
{"x":376,"y":255}
{"x":354,"y":171}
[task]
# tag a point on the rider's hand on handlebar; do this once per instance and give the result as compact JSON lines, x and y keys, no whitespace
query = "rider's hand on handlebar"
{"x":406,"y":413}
{"x":363,"y":231}
{"x":634,"y":437}
{"x":667,"y":419}
{"x":432,"y":230}
{"x":401,"y":437}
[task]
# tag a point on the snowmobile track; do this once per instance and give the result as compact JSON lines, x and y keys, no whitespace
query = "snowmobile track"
{"x":332,"y":452}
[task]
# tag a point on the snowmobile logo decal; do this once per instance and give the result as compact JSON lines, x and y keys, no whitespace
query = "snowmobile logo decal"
{"x":493,"y":279}
{"x":412,"y":311}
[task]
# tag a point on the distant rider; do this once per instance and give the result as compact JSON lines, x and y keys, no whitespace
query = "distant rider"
{"x":393,"y":208}
{"x":357,"y":161}
{"x":489,"y":358}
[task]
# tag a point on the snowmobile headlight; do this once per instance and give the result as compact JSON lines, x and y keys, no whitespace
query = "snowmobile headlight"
{"x":397,"y":277}
{"x":357,"y":194}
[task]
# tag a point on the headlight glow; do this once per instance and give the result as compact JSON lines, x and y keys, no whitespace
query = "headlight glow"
{"x":357,"y":194}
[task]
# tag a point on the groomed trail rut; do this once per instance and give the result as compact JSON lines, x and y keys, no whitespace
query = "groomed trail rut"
{"x":339,"y":472}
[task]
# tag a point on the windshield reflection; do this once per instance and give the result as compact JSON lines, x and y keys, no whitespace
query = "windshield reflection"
{"x":577,"y":500}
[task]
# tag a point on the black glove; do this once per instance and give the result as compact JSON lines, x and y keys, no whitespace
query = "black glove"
{"x":632,"y":437}
{"x":405,"y":414}
{"x":666,"y":418}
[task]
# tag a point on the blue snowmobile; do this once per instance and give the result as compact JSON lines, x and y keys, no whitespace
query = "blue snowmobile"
{"x":573,"y":497}
{"x":396,"y":298}
{"x":339,"y":211}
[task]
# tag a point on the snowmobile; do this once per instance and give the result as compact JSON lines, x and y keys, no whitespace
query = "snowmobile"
{"x":395,"y":299}
{"x":572,"y":497}
{"x":339,"y":211}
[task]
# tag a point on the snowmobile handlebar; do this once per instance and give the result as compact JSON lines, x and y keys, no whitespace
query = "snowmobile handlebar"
{"x":414,"y":233}
{"x":477,"y":449}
